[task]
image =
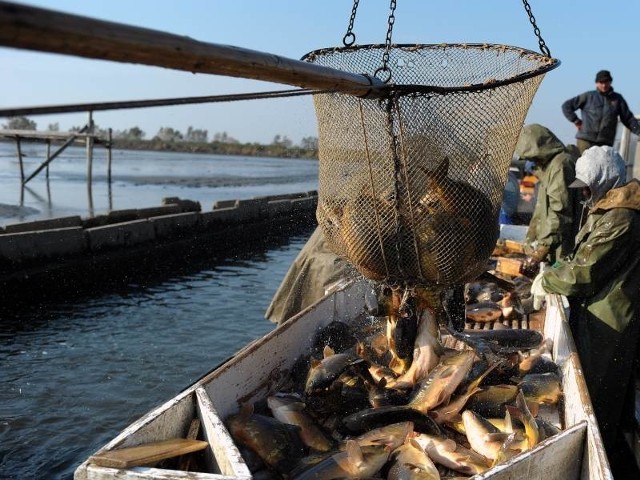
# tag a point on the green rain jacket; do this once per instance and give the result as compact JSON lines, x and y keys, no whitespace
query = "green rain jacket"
{"x":315,"y":270}
{"x":605,"y":270}
{"x":556,"y":217}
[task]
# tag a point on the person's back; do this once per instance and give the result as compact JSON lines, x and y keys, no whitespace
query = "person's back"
{"x":556,"y":217}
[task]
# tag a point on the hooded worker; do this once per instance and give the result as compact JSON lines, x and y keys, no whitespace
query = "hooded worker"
{"x":602,"y":282}
{"x":313,"y":273}
{"x":556,"y":217}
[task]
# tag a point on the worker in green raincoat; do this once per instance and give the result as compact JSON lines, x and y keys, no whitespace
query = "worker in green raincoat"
{"x":602,"y":282}
{"x":314,"y":272}
{"x":556,"y":217}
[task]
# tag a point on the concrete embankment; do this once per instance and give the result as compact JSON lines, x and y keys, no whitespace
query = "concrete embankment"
{"x":73,"y":245}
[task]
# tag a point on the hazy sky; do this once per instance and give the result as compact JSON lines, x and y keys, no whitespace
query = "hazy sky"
{"x":586,"y":36}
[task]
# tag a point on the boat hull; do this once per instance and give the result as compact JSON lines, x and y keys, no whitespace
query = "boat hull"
{"x":575,"y":453}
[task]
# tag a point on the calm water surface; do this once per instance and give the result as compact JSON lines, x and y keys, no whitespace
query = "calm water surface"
{"x":75,"y":372}
{"x":139,"y":179}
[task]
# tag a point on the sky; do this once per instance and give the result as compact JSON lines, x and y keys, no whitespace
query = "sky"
{"x":585,"y":35}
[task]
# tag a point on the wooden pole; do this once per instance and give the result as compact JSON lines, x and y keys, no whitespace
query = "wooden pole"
{"x":89,"y":142}
{"x":31,"y":28}
{"x":19,"y":151}
{"x":69,"y":141}
{"x":109,"y":140}
{"x":48,"y":156}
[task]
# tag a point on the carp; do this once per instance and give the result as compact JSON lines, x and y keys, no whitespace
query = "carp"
{"x":352,"y":462}
{"x":482,"y":435}
{"x":410,"y":462}
{"x":292,"y":412}
{"x":276,"y":443}
{"x":426,"y":353}
{"x":322,"y":373}
{"x":452,"y":455}
{"x":442,"y":381}
{"x":541,"y":388}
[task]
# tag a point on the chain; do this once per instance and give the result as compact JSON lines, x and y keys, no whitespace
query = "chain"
{"x":543,"y":46}
{"x":350,"y":38}
{"x":387,"y":44}
{"x":397,"y":184}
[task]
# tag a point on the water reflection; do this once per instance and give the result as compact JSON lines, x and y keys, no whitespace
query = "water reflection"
{"x":77,"y":370}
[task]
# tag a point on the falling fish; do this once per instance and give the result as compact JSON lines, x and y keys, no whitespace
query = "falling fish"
{"x":426,"y":354}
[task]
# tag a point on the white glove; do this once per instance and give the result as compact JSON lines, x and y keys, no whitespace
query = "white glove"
{"x":538,"y":292}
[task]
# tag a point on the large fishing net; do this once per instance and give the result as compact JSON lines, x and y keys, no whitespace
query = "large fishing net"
{"x":411,"y":182}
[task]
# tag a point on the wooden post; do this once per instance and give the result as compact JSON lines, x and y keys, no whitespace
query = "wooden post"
{"x":48,"y":156}
{"x":89,"y":143}
{"x":19,"y":149}
{"x":109,"y":139}
{"x":90,"y":162}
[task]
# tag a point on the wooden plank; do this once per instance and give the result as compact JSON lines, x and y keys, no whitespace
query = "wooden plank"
{"x":508,"y":266}
{"x":147,"y":454}
{"x":513,"y":246}
{"x":45,"y":30}
{"x":185,"y":462}
{"x":227,"y":459}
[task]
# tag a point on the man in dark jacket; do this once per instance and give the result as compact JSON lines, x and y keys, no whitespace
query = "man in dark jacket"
{"x":602,"y":282}
{"x":600,"y":109}
{"x":556,"y":217}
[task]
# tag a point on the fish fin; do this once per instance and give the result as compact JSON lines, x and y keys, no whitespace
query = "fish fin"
{"x":327,"y":351}
{"x":354,"y":452}
{"x":414,"y":444}
{"x":314,"y":362}
{"x":478,"y":381}
{"x":508,"y":424}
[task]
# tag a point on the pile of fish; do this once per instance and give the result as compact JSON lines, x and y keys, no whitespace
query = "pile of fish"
{"x":364,"y":403}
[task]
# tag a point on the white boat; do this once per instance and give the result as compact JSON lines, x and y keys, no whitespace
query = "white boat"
{"x":575,"y":453}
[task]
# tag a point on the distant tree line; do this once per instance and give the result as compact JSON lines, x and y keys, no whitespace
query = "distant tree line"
{"x":194,"y":140}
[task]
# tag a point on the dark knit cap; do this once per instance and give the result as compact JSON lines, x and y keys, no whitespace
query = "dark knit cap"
{"x":603,"y":76}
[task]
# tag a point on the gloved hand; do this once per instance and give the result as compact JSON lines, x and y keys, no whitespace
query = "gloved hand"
{"x":530,"y":267}
{"x":538,"y":292}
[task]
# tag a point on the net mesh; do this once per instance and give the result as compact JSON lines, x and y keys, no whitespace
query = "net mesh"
{"x":410,"y":185}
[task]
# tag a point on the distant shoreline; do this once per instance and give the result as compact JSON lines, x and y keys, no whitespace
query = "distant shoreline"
{"x":213,"y":148}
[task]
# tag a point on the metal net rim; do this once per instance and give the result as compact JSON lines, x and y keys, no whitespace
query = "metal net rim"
{"x":546,"y":64}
